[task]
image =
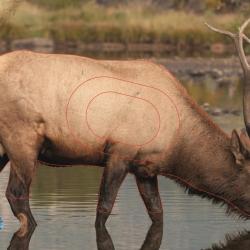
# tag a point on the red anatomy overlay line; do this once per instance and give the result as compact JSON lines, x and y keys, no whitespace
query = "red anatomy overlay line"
{"x":12,"y":197}
{"x":114,"y":92}
{"x":130,"y":82}
{"x":171,"y":176}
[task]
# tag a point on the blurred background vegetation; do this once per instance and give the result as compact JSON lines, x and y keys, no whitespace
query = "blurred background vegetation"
{"x":179,"y":23}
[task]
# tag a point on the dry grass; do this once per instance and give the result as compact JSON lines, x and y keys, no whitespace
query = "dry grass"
{"x":126,"y":24}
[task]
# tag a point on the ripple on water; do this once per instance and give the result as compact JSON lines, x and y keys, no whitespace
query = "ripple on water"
{"x":64,"y":203}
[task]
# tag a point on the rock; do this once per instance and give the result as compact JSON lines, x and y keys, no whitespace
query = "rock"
{"x":235,"y":112}
{"x":227,"y":81}
{"x":197,"y":73}
{"x":226,"y":111}
{"x":216,"y":111}
{"x":224,"y":81}
{"x":205,"y":106}
{"x":216,"y":73}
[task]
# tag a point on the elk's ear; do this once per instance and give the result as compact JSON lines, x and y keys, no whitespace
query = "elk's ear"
{"x":244,"y":138}
{"x":237,"y":148}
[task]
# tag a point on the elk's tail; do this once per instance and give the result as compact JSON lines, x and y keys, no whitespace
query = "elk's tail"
{"x":3,"y":161}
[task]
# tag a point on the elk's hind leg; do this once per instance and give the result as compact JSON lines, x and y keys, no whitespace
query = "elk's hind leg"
{"x":17,"y":194}
{"x":113,"y":176}
{"x":23,"y":154}
{"x":148,"y":188}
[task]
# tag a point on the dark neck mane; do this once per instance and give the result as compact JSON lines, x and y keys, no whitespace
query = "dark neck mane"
{"x":203,"y":163}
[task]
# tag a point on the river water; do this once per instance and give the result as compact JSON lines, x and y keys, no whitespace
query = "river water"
{"x":63,"y":202}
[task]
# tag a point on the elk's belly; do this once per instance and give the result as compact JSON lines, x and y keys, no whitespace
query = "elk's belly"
{"x":56,"y":156}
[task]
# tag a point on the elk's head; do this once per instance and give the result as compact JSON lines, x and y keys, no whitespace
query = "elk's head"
{"x":240,"y":147}
{"x":240,"y":144}
{"x":240,"y":185}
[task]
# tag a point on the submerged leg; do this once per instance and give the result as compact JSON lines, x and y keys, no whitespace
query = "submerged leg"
{"x":148,"y":188}
{"x":154,"y":237}
{"x":103,"y":239}
{"x":152,"y":241}
{"x":113,"y":176}
{"x":17,"y":194}
{"x":21,"y":243}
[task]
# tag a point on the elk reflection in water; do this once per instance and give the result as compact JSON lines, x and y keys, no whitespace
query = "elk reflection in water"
{"x":152,"y":240}
{"x":20,"y":242}
{"x":103,"y":239}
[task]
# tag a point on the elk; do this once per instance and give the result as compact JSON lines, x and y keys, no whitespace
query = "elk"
{"x":125,"y":116}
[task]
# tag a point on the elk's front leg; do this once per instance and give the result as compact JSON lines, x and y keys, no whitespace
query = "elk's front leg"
{"x":148,"y":188}
{"x":113,"y":176}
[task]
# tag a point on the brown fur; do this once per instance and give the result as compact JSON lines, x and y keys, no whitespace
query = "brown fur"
{"x":40,"y":88}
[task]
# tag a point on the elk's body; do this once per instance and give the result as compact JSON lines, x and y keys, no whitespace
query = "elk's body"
{"x":62,"y":115}
{"x":128,"y":116}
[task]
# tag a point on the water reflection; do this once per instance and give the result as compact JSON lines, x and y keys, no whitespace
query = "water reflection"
{"x":21,"y":242}
{"x":152,"y":241}
{"x":103,"y":239}
{"x":240,"y":242}
{"x":64,"y":203}
{"x":153,"y":238}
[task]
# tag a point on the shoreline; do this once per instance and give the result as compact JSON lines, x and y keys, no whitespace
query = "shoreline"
{"x":219,"y":64}
{"x":169,"y":49}
{"x":216,"y":66}
{"x":221,"y":70}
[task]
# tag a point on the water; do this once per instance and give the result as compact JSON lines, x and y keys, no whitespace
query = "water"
{"x":63,"y":202}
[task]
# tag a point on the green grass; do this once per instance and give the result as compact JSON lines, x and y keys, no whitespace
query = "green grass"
{"x":135,"y":23}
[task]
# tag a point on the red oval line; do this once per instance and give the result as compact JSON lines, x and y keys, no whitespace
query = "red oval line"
{"x":123,"y":81}
{"x":178,"y":114}
{"x":169,"y":175}
{"x":134,"y":145}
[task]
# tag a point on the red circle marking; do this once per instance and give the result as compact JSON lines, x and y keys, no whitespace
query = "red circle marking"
{"x":168,"y":74}
{"x":142,"y":99}
{"x":123,"y":81}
